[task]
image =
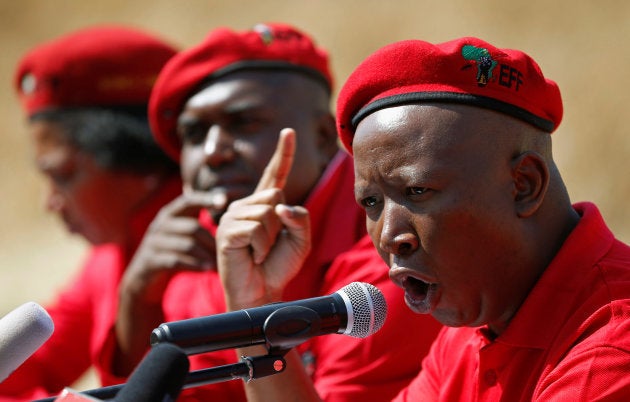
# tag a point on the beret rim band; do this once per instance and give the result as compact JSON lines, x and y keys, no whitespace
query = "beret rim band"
{"x":271,"y":65}
{"x":452,"y":97}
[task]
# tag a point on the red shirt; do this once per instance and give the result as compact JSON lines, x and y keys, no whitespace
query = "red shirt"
{"x":569,"y":341}
{"x":83,"y":313}
{"x":344,"y":368}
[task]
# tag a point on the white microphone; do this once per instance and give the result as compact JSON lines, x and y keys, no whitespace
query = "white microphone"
{"x":22,"y":332}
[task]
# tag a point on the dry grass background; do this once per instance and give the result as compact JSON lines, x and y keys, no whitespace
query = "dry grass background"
{"x":582,"y":45}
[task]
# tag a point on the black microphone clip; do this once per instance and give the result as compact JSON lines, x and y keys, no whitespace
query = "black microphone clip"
{"x":290,"y":326}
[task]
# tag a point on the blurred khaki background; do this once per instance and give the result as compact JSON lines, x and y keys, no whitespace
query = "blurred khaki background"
{"x":582,"y":45}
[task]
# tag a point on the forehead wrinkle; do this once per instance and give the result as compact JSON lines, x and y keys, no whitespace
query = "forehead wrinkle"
{"x":420,"y":156}
{"x":403,"y":169}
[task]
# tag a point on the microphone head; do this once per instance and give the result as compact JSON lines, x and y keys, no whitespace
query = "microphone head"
{"x":159,"y":377}
{"x":22,"y":332}
{"x":366,"y":308}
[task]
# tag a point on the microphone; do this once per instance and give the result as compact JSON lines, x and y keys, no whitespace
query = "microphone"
{"x":22,"y":332}
{"x":358,"y":310}
{"x":159,"y":377}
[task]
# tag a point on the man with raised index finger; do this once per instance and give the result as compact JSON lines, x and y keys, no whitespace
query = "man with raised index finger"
{"x":218,"y":109}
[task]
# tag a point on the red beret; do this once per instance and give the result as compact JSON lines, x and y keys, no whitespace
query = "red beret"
{"x":105,"y":66}
{"x":271,"y":46}
{"x":467,"y":70}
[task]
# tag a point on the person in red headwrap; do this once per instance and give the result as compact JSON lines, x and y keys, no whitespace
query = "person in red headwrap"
{"x":454,"y":169}
{"x":85,"y":95}
{"x":218,"y":108}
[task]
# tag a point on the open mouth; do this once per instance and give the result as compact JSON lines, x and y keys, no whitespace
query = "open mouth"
{"x":419,"y":294}
{"x":416,"y":288}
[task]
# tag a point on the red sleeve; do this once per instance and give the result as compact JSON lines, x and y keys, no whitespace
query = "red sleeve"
{"x":379,"y":366}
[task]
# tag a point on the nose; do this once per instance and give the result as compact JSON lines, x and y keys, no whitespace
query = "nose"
{"x":218,"y":147}
{"x":54,"y":200}
{"x":398,"y":236}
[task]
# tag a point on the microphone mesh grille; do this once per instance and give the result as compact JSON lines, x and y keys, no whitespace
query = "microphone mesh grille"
{"x":369,"y":308}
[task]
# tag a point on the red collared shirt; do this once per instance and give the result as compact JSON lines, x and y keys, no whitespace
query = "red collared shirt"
{"x":569,"y":341}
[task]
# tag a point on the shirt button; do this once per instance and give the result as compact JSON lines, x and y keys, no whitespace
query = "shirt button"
{"x":490,"y":377}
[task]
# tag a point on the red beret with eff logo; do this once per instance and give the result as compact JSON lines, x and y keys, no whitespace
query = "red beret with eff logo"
{"x":466,"y":70}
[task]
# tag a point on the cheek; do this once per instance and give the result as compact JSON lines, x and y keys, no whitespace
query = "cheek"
{"x":82,"y":189}
{"x":255,"y":153}
{"x":90,"y":203}
{"x":373,"y":230}
{"x":467,"y":243}
{"x":99,"y":191}
{"x":191,"y":161}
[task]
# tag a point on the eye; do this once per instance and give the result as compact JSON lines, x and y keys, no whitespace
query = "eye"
{"x":61,"y":178}
{"x":416,"y":190}
{"x":247,"y":123}
{"x":369,"y":202}
{"x":192,"y":133}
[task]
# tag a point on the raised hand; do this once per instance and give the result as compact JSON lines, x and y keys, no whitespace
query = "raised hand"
{"x":174,"y":241}
{"x":262,"y":243}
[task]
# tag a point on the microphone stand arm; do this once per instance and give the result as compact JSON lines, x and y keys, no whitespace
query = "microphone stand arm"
{"x":284,"y":329}
{"x":249,"y":368}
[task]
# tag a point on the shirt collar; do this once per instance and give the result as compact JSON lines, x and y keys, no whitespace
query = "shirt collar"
{"x":548,"y":305}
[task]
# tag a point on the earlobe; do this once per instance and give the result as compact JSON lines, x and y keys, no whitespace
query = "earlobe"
{"x":530,"y":175}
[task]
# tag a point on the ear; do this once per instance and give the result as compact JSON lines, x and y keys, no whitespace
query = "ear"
{"x":530,"y":175}
{"x":327,"y":136}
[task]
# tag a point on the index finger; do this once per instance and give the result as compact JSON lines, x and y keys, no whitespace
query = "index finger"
{"x":279,"y":166}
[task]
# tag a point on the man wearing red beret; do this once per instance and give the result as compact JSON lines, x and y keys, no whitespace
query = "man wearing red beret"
{"x":86,"y":96}
{"x":218,"y":108}
{"x":454,"y":168}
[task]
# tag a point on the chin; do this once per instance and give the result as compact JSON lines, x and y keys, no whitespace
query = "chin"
{"x":452,"y":318}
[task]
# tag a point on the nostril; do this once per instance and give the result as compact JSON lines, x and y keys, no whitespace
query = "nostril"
{"x":404,"y":248}
{"x":405,"y":243}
